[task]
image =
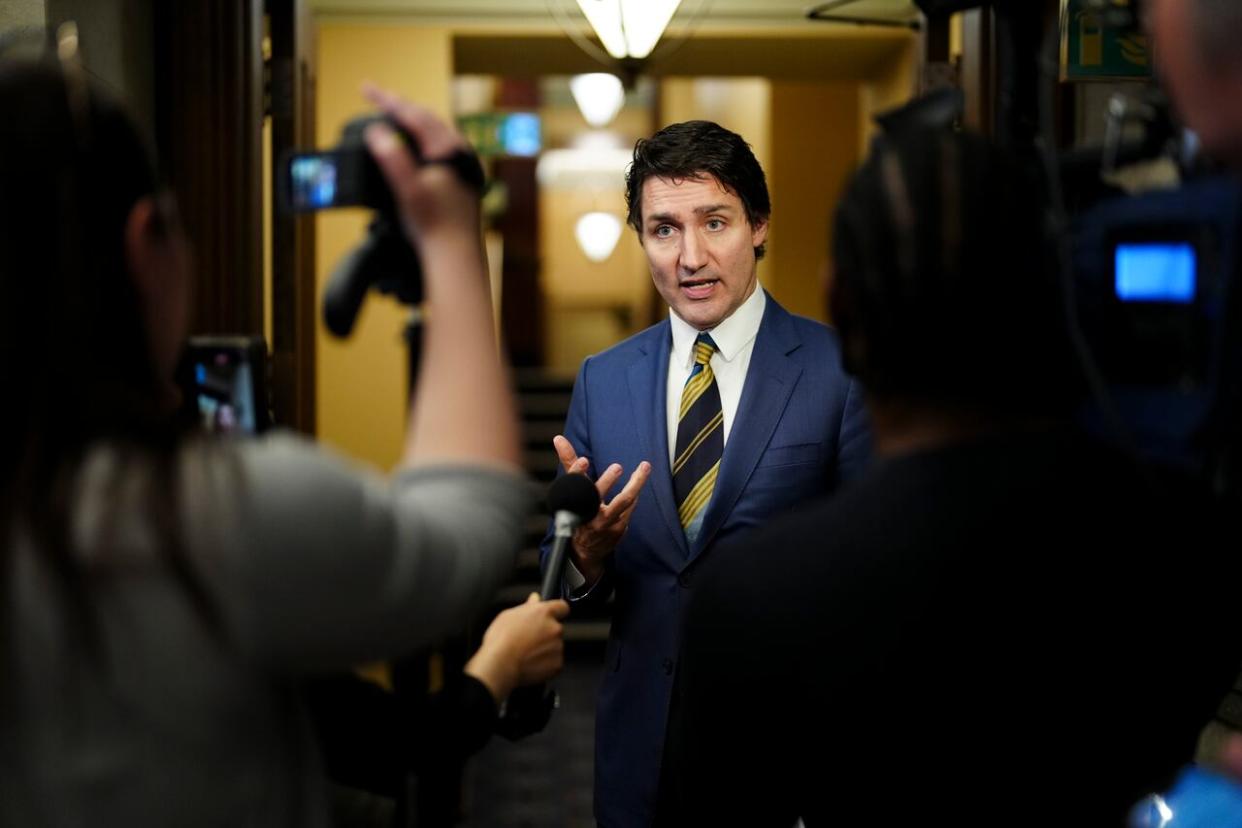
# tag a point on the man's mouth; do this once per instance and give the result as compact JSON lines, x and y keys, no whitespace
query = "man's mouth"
{"x":698,"y":288}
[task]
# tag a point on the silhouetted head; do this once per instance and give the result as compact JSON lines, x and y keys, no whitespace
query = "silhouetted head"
{"x":944,"y":290}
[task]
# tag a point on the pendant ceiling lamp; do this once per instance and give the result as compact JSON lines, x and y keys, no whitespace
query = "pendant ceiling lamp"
{"x":629,"y":28}
{"x":599,"y":96}
{"x":598,"y":234}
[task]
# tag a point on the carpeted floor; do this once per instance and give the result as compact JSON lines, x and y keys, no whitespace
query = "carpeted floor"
{"x":544,"y":780}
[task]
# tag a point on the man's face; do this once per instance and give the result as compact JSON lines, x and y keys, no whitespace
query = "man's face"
{"x":700,"y":247}
{"x":1205,"y":96}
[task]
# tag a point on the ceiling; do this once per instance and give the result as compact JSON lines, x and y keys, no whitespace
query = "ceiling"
{"x":702,"y":14}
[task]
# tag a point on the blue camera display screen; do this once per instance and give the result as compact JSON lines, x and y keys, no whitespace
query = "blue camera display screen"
{"x":224,"y":393}
{"x":313,"y":180}
{"x":1156,"y":272}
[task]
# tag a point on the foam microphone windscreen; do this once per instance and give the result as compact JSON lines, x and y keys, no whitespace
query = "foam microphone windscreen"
{"x":574,"y":493}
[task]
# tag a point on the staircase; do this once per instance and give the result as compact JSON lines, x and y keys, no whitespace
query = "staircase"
{"x":543,"y":402}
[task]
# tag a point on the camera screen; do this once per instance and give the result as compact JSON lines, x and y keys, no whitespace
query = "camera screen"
{"x":222,"y":386}
{"x":1156,"y":272}
{"x":313,"y":181}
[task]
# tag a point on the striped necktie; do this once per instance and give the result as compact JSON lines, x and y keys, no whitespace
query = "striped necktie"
{"x":700,"y":440}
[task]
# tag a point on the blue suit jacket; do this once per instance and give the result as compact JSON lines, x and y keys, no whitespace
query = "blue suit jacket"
{"x":799,"y":428}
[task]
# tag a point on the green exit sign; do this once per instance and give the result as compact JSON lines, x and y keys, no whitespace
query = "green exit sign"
{"x":502,"y":133}
{"x":1092,"y":51}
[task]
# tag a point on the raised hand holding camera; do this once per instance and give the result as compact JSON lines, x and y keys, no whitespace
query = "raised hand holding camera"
{"x":350,"y":175}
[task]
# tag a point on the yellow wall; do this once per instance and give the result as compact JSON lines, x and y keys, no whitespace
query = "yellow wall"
{"x":814,"y":149}
{"x":361,"y":383}
{"x":590,"y":306}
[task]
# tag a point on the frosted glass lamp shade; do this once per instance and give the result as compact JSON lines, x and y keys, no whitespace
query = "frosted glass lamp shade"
{"x":599,"y":96}
{"x":598,"y":234}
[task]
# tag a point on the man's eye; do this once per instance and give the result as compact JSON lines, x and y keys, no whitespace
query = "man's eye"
{"x":663,"y":231}
{"x":715,"y":224}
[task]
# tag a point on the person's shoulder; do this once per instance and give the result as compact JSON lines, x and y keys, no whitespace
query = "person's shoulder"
{"x":811,"y":333}
{"x":271,"y":466}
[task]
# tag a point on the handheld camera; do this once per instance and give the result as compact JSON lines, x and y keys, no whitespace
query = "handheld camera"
{"x":347,"y":176}
{"x":224,"y":384}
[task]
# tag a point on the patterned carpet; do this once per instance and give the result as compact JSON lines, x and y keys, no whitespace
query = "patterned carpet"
{"x":544,"y":780}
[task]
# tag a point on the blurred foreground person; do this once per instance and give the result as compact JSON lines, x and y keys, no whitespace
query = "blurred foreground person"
{"x":1002,"y":623}
{"x":1199,"y":63}
{"x":160,"y":595}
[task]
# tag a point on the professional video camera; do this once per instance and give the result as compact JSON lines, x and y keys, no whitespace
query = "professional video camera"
{"x":1151,"y":271}
{"x":348,"y":176}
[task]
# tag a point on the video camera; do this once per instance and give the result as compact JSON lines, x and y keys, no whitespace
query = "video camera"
{"x":1152,"y":275}
{"x":347,"y":176}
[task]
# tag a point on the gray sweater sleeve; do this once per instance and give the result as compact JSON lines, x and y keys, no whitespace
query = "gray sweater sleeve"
{"x":324,"y":565}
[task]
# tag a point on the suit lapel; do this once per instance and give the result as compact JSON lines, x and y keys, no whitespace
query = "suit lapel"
{"x":648,"y":383}
{"x":770,"y":380}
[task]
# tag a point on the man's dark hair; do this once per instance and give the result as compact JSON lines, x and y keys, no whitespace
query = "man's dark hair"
{"x":696,"y":150}
{"x":944,"y":289}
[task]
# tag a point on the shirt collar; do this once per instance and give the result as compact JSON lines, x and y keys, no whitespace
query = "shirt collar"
{"x":731,"y":335}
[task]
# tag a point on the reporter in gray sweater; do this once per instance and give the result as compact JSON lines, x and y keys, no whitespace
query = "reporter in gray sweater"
{"x":161,"y":595}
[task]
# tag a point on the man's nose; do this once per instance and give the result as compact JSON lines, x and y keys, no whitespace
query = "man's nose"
{"x":693,"y":252}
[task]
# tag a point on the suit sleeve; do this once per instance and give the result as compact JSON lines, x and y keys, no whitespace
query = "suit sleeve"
{"x":577,"y":432}
{"x":854,"y":440}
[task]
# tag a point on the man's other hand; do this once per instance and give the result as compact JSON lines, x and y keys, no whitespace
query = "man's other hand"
{"x":594,"y":541}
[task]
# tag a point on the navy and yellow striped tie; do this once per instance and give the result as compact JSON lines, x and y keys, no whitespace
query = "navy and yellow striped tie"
{"x":700,"y":440}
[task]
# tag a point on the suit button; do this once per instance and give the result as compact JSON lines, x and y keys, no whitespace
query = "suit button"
{"x":668,"y":666}
{"x":684,"y":579}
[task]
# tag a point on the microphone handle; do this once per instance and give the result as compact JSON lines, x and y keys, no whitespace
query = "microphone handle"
{"x":528,"y":708}
{"x":554,"y":574}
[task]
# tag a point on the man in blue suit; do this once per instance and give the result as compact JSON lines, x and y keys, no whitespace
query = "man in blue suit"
{"x":723,"y":415}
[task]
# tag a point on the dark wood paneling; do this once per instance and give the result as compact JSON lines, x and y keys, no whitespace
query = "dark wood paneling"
{"x":208,"y":115}
{"x":979,"y":69}
{"x":292,"y":95}
{"x":521,"y":302}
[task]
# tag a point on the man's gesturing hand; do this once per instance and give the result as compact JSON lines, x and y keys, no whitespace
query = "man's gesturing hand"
{"x":594,"y":541}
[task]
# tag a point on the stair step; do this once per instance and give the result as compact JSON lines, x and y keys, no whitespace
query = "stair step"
{"x":539,"y":433}
{"x":587,"y":630}
{"x":541,"y":380}
{"x":543,"y":405}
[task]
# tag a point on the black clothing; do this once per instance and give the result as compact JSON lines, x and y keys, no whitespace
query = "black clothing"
{"x":1014,"y":630}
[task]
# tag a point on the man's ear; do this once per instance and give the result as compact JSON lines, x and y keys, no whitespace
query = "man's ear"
{"x":759,"y":233}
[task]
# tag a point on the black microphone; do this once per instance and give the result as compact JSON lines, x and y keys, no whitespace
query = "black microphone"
{"x":573,"y":500}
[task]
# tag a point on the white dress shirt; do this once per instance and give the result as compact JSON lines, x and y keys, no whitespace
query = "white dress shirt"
{"x":735,"y":342}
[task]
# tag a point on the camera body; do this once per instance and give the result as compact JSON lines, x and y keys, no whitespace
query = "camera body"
{"x":1153,"y":281}
{"x":345,"y":176}
{"x":223,"y":382}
